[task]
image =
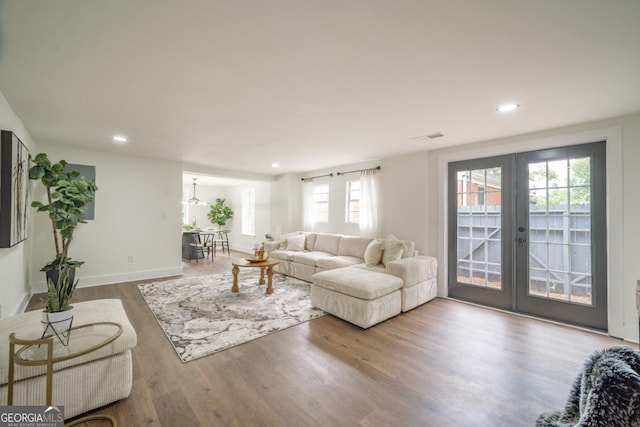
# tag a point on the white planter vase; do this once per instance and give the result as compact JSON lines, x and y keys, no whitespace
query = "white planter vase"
{"x":57,"y":323}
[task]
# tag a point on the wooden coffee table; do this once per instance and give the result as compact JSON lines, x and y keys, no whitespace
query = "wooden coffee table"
{"x":267,"y":265}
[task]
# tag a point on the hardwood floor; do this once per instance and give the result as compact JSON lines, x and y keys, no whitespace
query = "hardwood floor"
{"x":445,"y":363}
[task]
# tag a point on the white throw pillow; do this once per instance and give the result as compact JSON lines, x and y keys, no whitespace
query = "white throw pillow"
{"x":328,"y":243}
{"x":310,"y":243}
{"x":373,"y":253}
{"x":393,"y":249}
{"x":353,"y":246}
{"x":296,"y":243}
{"x":409,"y":248}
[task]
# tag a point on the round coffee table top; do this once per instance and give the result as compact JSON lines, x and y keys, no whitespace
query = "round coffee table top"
{"x":242,"y":262}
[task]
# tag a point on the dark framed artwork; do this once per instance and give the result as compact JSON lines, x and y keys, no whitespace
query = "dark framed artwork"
{"x":14,"y":189}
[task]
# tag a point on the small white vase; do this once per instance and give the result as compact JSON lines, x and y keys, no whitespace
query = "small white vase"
{"x":57,"y":323}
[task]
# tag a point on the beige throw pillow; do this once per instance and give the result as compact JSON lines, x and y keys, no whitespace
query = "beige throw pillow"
{"x":296,"y":243}
{"x":393,"y":249}
{"x":310,"y":243}
{"x":409,"y":248}
{"x":328,"y":243}
{"x":373,"y":253}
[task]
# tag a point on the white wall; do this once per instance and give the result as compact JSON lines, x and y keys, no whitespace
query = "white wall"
{"x":403,"y":198}
{"x":623,"y":198}
{"x":631,"y":217}
{"x":137,"y":213}
{"x":405,"y":205}
{"x":15,"y":261}
{"x":237,"y":240}
{"x":286,"y":213}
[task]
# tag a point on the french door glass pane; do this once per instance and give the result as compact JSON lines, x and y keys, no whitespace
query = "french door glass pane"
{"x":479,"y":199}
{"x":560,"y":230}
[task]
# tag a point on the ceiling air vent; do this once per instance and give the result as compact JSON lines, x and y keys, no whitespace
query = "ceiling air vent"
{"x":428,"y":136}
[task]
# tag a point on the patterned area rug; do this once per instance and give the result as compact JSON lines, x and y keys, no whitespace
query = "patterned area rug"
{"x":201,"y":316}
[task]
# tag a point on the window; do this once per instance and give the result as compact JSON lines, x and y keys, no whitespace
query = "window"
{"x":353,"y":202}
{"x":321,"y":203}
{"x":249,"y":211}
{"x":188,"y":214}
{"x":185,"y":213}
{"x":481,"y":191}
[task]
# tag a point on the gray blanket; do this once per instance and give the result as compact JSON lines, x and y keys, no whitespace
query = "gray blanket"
{"x":605,"y":394}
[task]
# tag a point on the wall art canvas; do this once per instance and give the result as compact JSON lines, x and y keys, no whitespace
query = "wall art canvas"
{"x":14,"y":190}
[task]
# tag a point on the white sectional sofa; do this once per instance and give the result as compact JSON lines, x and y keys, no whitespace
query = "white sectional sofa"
{"x":358,"y":279}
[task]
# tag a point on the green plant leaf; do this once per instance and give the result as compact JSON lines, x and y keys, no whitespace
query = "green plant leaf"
{"x":219,"y":213}
{"x":69,"y":194}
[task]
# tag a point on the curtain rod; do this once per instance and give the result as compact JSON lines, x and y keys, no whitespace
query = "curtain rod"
{"x":359,"y":170}
{"x":314,"y":177}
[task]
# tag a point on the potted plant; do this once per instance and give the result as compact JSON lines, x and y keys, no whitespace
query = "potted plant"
{"x":219,"y":213}
{"x":68,"y":195}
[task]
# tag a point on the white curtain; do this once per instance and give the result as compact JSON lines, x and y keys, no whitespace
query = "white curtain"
{"x":308,"y":213}
{"x":369,"y":203}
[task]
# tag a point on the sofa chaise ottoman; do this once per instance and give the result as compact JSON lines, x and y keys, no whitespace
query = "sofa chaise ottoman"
{"x":361,"y":297}
{"x":82,"y":383}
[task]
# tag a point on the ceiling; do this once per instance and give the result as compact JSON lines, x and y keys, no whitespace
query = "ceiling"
{"x":239,"y":85}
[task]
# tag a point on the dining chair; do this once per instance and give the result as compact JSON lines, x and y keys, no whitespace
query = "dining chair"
{"x":207,"y":239}
{"x":198,"y":246}
{"x":222,"y":239}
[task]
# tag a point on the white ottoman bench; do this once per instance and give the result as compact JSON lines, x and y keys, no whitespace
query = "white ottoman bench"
{"x":80,"y":384}
{"x":361,"y":297}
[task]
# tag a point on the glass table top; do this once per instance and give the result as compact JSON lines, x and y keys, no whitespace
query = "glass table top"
{"x":83,"y":339}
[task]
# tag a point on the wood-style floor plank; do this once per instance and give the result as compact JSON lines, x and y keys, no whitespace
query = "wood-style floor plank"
{"x":445,"y":363}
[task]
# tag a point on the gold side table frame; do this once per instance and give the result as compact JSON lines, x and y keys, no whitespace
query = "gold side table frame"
{"x":19,"y":357}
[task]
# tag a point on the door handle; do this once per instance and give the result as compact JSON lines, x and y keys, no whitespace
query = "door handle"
{"x":521,"y":240}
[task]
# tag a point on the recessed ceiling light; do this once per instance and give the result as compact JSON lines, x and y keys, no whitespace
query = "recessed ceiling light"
{"x":120,"y":138}
{"x":275,"y":165}
{"x":507,"y":107}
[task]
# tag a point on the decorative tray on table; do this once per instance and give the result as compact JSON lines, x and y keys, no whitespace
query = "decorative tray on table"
{"x":257,"y":259}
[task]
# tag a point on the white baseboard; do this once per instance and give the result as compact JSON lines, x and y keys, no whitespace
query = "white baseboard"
{"x":88,"y":281}
{"x":244,"y":250}
{"x":24,"y":303}
{"x":21,"y":307}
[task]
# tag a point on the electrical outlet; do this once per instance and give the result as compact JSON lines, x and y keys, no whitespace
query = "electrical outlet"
{"x":131,"y":258}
